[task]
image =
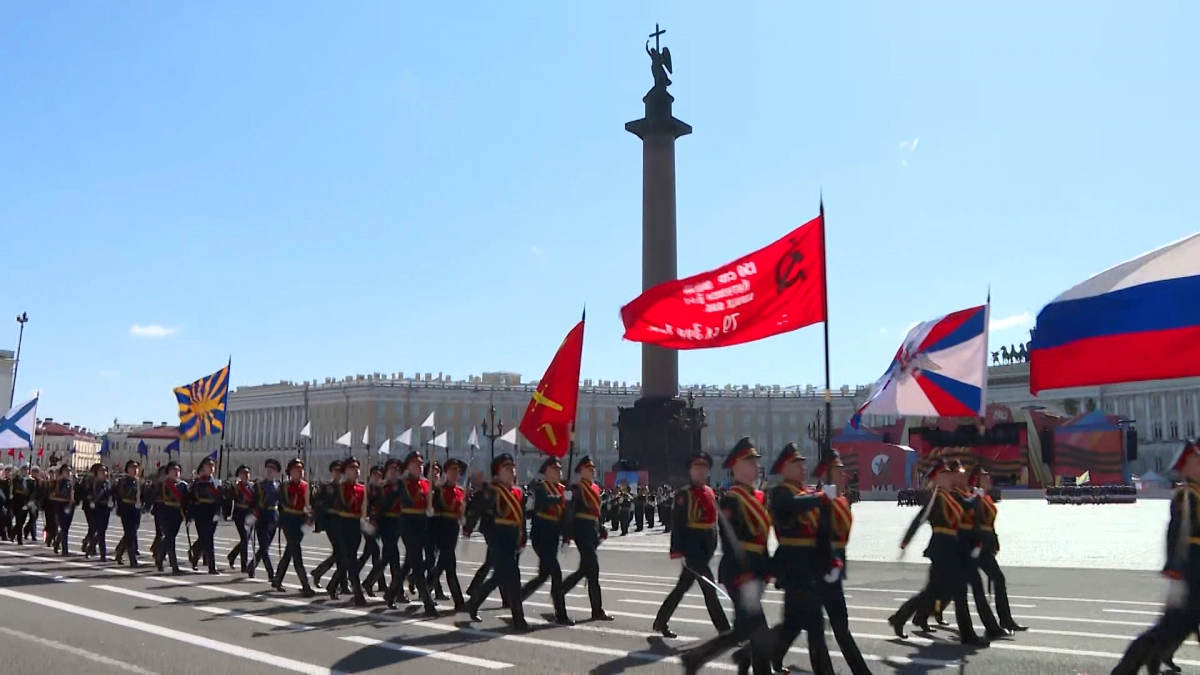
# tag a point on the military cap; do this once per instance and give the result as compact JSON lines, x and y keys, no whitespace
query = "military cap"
{"x":207,"y":461}
{"x":943,"y":466}
{"x":335,"y":465}
{"x":743,"y":450}
{"x":376,"y":470}
{"x":584,"y":461}
{"x":788,"y":454}
{"x":1189,"y":449}
{"x":414,"y":455}
{"x":834,"y":459}
{"x":131,"y":464}
{"x":96,"y":467}
{"x":701,"y":457}
{"x":502,"y":460}
{"x":550,"y":463}
{"x":350,"y":462}
{"x":173,"y":465}
{"x":392,"y":461}
{"x":240,"y":469}
{"x":295,"y":463}
{"x":976,"y":472}
{"x":273,"y":463}
{"x":462,"y":466}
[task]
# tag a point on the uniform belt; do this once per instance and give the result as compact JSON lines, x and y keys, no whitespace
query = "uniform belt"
{"x":128,"y":501}
{"x":294,"y":512}
{"x":447,"y":514}
{"x":754,"y":547}
{"x":586,"y":516}
{"x":346,"y":514}
{"x":839,"y":545}
{"x":508,"y":521}
{"x":702,"y":526}
{"x":550,"y":517}
{"x":797,"y":541}
{"x":412,"y":512}
{"x":166,"y":503}
{"x":390,"y":514}
{"x":986,"y":528}
{"x":1194,"y":540}
{"x":946,"y":530}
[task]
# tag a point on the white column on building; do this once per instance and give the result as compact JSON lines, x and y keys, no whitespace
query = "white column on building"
{"x":1196,"y":410}
{"x":1162,"y":413}
{"x":1180,"y":422}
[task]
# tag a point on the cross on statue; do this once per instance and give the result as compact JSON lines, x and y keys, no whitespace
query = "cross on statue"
{"x":657,"y":32}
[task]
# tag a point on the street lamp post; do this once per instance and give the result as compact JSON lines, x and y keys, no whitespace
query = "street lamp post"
{"x":818,"y":432}
{"x":22,"y":319}
{"x":492,"y":429}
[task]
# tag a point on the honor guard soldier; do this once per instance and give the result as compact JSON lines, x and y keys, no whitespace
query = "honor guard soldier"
{"x":154,"y":492}
{"x":171,"y":514}
{"x":204,"y":505}
{"x":387,"y":510}
{"x":449,"y":509}
{"x":101,"y":498}
{"x":129,"y":510}
{"x":982,"y":480}
{"x":1182,"y":569}
{"x":266,"y":516}
{"x":371,"y":543}
{"x":22,"y":490}
{"x":242,"y":496}
{"x":744,"y":568}
{"x":694,"y":542}
{"x":841,"y":520}
{"x":582,"y":524}
{"x":62,"y":496}
{"x":970,"y":546}
{"x":549,"y":503}
{"x":503,"y":512}
{"x":415,"y":510}
{"x":295,"y":512}
{"x":639,"y":508}
{"x":324,"y":519}
{"x":349,"y":510}
{"x":946,"y":575}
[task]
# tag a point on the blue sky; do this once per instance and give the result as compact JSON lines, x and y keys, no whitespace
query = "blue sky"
{"x":322,"y":189}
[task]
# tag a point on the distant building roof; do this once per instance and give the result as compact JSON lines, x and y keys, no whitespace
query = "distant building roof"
{"x":160,"y":432}
{"x":49,"y":427}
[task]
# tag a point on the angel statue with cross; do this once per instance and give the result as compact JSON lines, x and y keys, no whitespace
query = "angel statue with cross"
{"x":660,"y":61}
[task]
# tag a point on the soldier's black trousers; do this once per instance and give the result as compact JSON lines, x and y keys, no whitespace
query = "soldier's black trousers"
{"x":833,"y":598}
{"x":749,"y":625}
{"x":170,"y":520}
{"x":589,"y":568}
{"x":989,"y":566}
{"x":802,"y":613}
{"x":687,"y":577}
{"x":945,"y":581}
{"x":240,"y":550}
{"x":546,"y":547}
{"x":506,"y":576}
{"x":20,"y":515}
{"x":293,"y":553}
{"x":131,"y":520}
{"x":100,"y":518}
{"x":389,"y":561}
{"x":447,"y":561}
{"x":264,"y":530}
{"x":1160,"y":640}
{"x":206,"y":530}
{"x":64,"y":514}
{"x":413,"y":533}
{"x":328,"y":563}
{"x":349,"y":537}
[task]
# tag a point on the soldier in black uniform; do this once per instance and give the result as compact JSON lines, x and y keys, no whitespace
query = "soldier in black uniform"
{"x":841,"y":520}
{"x":349,"y":510}
{"x":502,"y":509}
{"x":62,"y":496}
{"x":804,"y":558}
{"x":129,"y":510}
{"x":582,"y":524}
{"x":744,"y":568}
{"x":171,"y":512}
{"x":666,"y":503}
{"x":416,"y":507}
{"x":323,"y":519}
{"x":242,"y":496}
{"x":449,"y":510}
{"x":203,"y":505}
{"x":550,"y":500}
{"x":371,"y":541}
{"x":101,"y":500}
{"x":266,"y":516}
{"x":1182,"y":614}
{"x":295,"y":511}
{"x":694,"y":542}
{"x":991,"y":546}
{"x":639,"y":509}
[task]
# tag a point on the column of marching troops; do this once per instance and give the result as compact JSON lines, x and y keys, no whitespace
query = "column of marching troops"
{"x":427,"y":512}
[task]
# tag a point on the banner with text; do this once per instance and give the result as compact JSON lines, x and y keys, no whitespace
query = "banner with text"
{"x":776,"y":289}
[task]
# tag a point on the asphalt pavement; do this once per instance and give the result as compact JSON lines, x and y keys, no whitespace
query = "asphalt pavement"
{"x":71,"y":615}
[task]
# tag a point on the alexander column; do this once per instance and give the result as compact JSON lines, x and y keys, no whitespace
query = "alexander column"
{"x":660,"y":431}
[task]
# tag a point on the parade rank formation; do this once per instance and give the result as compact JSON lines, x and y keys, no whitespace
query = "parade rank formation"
{"x":423,"y":510}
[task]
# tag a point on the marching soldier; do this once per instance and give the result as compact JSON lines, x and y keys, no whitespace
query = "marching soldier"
{"x":549,"y":503}
{"x":371,"y":541}
{"x":625,"y":508}
{"x":62,"y":496}
{"x":666,"y":502}
{"x":970,"y":542}
{"x":991,"y":546}
{"x":744,"y":568}
{"x":295,"y":511}
{"x":582,"y":524}
{"x":416,"y":508}
{"x":155,"y":490}
{"x":501,"y":509}
{"x":129,"y":510}
{"x":171,"y":516}
{"x":350,"y":511}
{"x":266,"y":517}
{"x":5,"y":491}
{"x":242,"y":496}
{"x":449,"y":507}
{"x":639,"y":508}
{"x":841,"y":520}
{"x":946,"y":574}
{"x":387,"y":519}
{"x":203,"y":505}
{"x":324,"y":520}
{"x":651,"y":506}
{"x":694,"y":542}
{"x":101,"y":500}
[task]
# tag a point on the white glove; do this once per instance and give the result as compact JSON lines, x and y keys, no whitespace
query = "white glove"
{"x":367,"y":527}
{"x":751,"y":592}
{"x":250,"y":520}
{"x":92,"y":505}
{"x":567,"y":494}
{"x":217,"y":518}
{"x":830,"y":491}
{"x":306,"y":528}
{"x":833,"y":576}
{"x":978,"y":492}
{"x":1177,"y":593}
{"x":976,"y":551}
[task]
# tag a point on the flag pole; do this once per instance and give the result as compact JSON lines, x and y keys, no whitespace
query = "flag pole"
{"x":826,"y":449}
{"x":224,"y":422}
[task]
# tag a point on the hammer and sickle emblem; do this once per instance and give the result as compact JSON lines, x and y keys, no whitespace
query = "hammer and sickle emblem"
{"x":789,"y":269}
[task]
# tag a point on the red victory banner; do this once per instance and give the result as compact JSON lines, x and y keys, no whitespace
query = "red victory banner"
{"x":776,"y":289}
{"x":551,"y":413}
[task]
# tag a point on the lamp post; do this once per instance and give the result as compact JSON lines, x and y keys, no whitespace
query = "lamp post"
{"x":492,"y":429}
{"x":818,"y":432}
{"x":22,"y":319}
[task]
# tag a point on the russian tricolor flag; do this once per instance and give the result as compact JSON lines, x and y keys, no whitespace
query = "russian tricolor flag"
{"x":1137,"y":321}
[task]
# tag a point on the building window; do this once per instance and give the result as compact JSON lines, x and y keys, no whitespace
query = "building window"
{"x":583,"y":415}
{"x":1172,"y":429}
{"x":1191,"y":429}
{"x":1157,"y":431}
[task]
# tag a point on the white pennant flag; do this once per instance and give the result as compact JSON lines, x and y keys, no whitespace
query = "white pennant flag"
{"x":473,"y":441}
{"x":405,"y":438}
{"x":306,"y":432}
{"x":428,"y":423}
{"x":367,"y":437}
{"x":386,"y":447}
{"x":344,"y":440}
{"x":510,"y":437}
{"x":440,"y":441}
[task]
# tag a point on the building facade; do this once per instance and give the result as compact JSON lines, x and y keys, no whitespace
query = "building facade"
{"x":56,"y":443}
{"x":8,"y":363}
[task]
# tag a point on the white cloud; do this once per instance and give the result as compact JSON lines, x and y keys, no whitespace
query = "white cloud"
{"x":152,"y":331}
{"x":909,"y":146}
{"x":1022,"y":320}
{"x":535,"y":250}
{"x":883,"y":331}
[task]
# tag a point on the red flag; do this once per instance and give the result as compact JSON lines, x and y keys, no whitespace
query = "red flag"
{"x":40,"y":451}
{"x":776,"y":289}
{"x":11,"y":452}
{"x":20,"y":456}
{"x":551,"y":413}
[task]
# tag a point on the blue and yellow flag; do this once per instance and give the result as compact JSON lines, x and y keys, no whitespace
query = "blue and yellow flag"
{"x":202,"y":405}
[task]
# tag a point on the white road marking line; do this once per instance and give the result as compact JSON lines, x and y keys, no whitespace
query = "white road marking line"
{"x":910,"y":593}
{"x":441,"y":656}
{"x":1011,"y":604}
{"x":76,"y":651}
{"x":265,"y":620}
{"x":1132,"y":611}
{"x":226,"y":648}
{"x":161,"y":599}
